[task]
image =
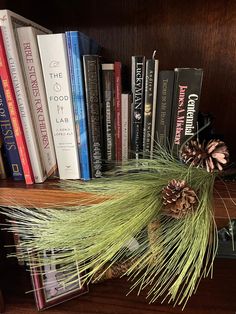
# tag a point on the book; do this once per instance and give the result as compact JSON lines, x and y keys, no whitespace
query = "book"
{"x":53,"y":54}
{"x":149,"y":106}
{"x":137,"y":81}
{"x":78,"y":44}
{"x":109,"y":113}
{"x":118,"y":116}
{"x":125,"y":125}
{"x":9,"y":140}
{"x":164,"y":107}
{"x":9,"y":22}
{"x":14,"y":115}
{"x":186,"y":98}
{"x":91,"y":65}
{"x":2,"y":168}
{"x":37,"y":95}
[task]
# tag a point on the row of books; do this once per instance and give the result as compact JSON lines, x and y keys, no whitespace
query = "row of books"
{"x":62,"y":107}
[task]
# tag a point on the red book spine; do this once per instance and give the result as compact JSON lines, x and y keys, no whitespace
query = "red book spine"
{"x":14,"y":114}
{"x":118,"y":144}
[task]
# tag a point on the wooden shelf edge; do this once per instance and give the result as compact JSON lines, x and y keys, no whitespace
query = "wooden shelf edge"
{"x":48,"y":195}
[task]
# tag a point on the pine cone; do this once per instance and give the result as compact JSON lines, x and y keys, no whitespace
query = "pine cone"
{"x":179,"y":199}
{"x":211,"y":156}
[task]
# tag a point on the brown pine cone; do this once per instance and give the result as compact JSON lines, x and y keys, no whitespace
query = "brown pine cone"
{"x":178,"y":199}
{"x":211,"y":155}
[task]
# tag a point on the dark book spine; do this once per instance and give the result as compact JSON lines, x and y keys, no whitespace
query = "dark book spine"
{"x":118,"y":116}
{"x":109,"y":112}
{"x":164,"y":107}
{"x":187,"y":91}
{"x":2,"y":168}
{"x":138,"y":70}
{"x":148,"y":107}
{"x":91,"y":65}
{"x":8,"y":137}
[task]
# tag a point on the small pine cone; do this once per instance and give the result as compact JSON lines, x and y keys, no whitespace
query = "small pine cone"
{"x":178,"y":199}
{"x":114,"y":271}
{"x":172,"y":191}
{"x":211,"y":156}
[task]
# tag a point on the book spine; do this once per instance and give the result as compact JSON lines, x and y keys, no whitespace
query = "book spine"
{"x":77,"y":86}
{"x":55,"y":67}
{"x":148,"y":107}
{"x":154,"y":107}
{"x":164,"y":107}
{"x":8,"y":137}
{"x":138,"y":70}
{"x":118,"y":114}
{"x":93,"y":103}
{"x":14,"y":114}
{"x":187,"y":90}
{"x":125,"y":125}
{"x":109,"y":112}
{"x":8,"y":26}
{"x":2,"y":168}
{"x":37,"y":96}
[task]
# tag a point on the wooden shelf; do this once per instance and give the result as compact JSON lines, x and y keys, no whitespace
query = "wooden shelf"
{"x":48,"y":194}
{"x":213,"y":296}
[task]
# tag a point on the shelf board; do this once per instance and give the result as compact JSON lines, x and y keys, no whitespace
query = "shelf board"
{"x":50,"y":194}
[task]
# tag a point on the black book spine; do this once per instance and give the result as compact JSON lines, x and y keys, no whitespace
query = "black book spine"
{"x":187,"y":91}
{"x":91,"y":65}
{"x":164,"y":106}
{"x":148,"y":107}
{"x":109,"y":112}
{"x":138,"y":70}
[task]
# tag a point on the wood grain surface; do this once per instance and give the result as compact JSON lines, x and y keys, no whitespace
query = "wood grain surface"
{"x":214,"y":296}
{"x":49,"y":194}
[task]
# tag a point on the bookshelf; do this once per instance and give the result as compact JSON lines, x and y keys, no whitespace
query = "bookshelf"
{"x":185,"y":34}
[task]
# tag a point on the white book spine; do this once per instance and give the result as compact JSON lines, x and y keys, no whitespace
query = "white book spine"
{"x":55,"y":66}
{"x":125,"y":125}
{"x":154,"y":107}
{"x":37,"y":95}
{"x":9,"y":21}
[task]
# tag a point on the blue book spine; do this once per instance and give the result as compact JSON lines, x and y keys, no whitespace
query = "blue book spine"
{"x":78,"y":97}
{"x":9,"y":141}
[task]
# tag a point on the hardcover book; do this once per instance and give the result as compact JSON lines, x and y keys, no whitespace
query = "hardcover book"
{"x":2,"y":168}
{"x":109,"y":112}
{"x":8,"y":138}
{"x":37,"y":95}
{"x":125,"y":125}
{"x":9,"y":22}
{"x":164,"y":107}
{"x":149,"y":106}
{"x":186,"y":98}
{"x":79,"y":44}
{"x":137,"y":81}
{"x":91,"y":64}
{"x":118,"y":113}
{"x":55,"y":67}
{"x":14,"y":114}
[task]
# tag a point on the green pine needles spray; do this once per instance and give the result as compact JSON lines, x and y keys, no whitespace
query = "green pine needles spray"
{"x":155,"y":214}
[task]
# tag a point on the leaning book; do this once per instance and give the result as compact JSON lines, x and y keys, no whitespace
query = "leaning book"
{"x":14,"y":115}
{"x":55,"y":66}
{"x":9,"y":140}
{"x":37,"y":95}
{"x":9,"y":22}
